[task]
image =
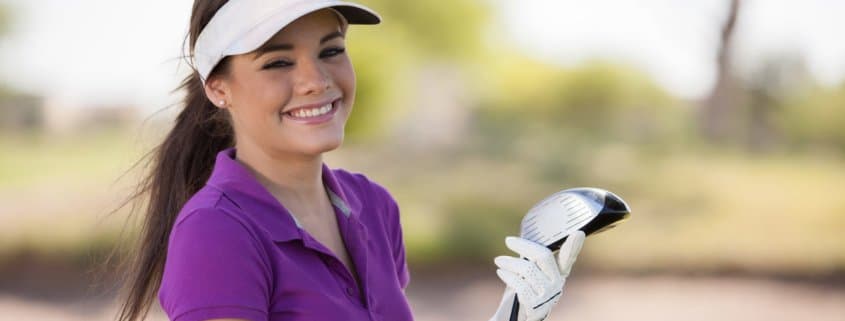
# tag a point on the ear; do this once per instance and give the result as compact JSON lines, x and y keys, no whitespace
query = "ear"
{"x":217,"y":90}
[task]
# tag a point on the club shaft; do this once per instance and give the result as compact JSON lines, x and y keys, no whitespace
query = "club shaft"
{"x":515,"y":309}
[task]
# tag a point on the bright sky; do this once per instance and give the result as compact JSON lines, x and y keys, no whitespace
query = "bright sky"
{"x":106,"y":51}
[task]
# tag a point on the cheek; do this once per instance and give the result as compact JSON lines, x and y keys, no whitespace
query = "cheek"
{"x":344,"y":77}
{"x":264,"y":93}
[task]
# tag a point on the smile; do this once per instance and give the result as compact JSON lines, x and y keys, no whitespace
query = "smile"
{"x":313,"y":115}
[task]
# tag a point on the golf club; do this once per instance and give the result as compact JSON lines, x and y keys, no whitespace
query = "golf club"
{"x":549,"y":222}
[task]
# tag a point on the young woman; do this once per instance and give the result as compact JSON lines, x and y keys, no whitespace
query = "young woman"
{"x":246,"y":222}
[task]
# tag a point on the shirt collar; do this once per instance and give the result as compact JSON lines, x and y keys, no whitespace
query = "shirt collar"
{"x":239,"y":185}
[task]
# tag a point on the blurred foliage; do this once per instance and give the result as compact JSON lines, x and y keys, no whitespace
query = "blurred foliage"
{"x":5,"y":19}
{"x":598,"y":98}
{"x":387,"y":56}
{"x":534,"y":129}
{"x":470,"y":231}
{"x":435,"y":30}
{"x":595,"y":100}
{"x":604,"y":100}
{"x":4,"y":26}
{"x":693,"y":211}
{"x":377,"y":67}
{"x":814,"y":119}
{"x":92,"y":156}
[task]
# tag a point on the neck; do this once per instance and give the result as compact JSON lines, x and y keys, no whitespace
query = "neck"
{"x":292,"y":179}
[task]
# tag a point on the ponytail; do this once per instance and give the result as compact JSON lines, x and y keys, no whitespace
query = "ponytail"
{"x":181,"y":165}
{"x":178,"y":168}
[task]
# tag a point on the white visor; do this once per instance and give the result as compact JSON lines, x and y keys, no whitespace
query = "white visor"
{"x":241,"y":26}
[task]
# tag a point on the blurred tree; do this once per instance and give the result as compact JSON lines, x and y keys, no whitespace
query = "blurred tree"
{"x":388,"y":57}
{"x":777,"y":80}
{"x":813,"y":119}
{"x":597,"y":99}
{"x":513,"y":91}
{"x":5,"y":22}
{"x":4,"y":19}
{"x":717,"y":120}
{"x":434,"y":30}
{"x":761,"y":102}
{"x":476,"y":227}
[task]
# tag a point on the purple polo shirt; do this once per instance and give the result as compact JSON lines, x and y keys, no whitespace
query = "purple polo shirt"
{"x":235,"y":252}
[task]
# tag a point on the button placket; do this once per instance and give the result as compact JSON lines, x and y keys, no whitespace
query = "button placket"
{"x":357,"y":240}
{"x":354,"y":235}
{"x":341,"y":276}
{"x":341,"y":273}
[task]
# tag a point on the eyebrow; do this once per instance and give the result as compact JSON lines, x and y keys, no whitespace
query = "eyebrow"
{"x":286,"y":46}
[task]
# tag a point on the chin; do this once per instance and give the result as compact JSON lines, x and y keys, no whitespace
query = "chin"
{"x":323,"y":146}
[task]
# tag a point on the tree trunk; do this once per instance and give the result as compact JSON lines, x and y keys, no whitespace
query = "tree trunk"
{"x":719,"y":115}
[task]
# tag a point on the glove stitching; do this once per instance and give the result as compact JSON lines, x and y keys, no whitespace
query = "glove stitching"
{"x":547,"y":301}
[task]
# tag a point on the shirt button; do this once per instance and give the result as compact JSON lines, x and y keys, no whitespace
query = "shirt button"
{"x":350,"y":291}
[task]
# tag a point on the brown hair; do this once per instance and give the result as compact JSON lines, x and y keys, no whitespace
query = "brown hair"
{"x":178,"y":168}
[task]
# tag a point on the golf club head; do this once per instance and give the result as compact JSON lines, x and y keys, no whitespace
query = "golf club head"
{"x":552,"y":220}
{"x":588,"y":209}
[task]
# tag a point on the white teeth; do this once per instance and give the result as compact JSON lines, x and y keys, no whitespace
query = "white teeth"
{"x":313,"y":112}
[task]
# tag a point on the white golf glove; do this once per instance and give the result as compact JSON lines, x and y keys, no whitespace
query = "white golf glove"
{"x":535,"y":278}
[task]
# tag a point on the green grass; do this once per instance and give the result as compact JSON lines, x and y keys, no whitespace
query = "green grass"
{"x":732,"y":212}
{"x":692,"y":210}
{"x":56,"y":191}
{"x":33,"y":160}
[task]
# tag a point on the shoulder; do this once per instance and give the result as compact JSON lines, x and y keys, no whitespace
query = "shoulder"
{"x":213,"y":240}
{"x":213,"y":227}
{"x":209,"y":204}
{"x":206,"y":200}
{"x":372,"y":199}
{"x":362,"y":185}
{"x":208,"y":216}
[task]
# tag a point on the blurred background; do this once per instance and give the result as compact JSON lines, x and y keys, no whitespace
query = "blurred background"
{"x":721,"y":122}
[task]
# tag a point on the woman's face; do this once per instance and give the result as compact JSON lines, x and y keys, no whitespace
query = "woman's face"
{"x":294,"y":94}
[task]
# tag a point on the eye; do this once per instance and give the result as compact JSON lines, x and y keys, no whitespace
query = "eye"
{"x":277,"y":64}
{"x":330,"y":52}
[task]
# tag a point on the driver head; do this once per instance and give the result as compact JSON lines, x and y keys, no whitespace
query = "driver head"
{"x":591,"y":210}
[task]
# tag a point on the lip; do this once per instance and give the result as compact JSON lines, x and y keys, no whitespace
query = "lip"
{"x":314,"y":120}
{"x":317,"y":104}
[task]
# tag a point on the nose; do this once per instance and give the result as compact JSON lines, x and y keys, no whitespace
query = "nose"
{"x":311,"y":78}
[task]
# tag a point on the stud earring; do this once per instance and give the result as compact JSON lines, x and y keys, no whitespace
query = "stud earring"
{"x":222,"y":103}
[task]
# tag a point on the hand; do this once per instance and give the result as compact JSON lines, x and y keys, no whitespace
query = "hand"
{"x":569,"y":252}
{"x":536,"y":279}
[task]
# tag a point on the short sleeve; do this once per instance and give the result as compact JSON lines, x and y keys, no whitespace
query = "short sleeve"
{"x":402,"y":272}
{"x":214,"y":268}
{"x":394,"y":229}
